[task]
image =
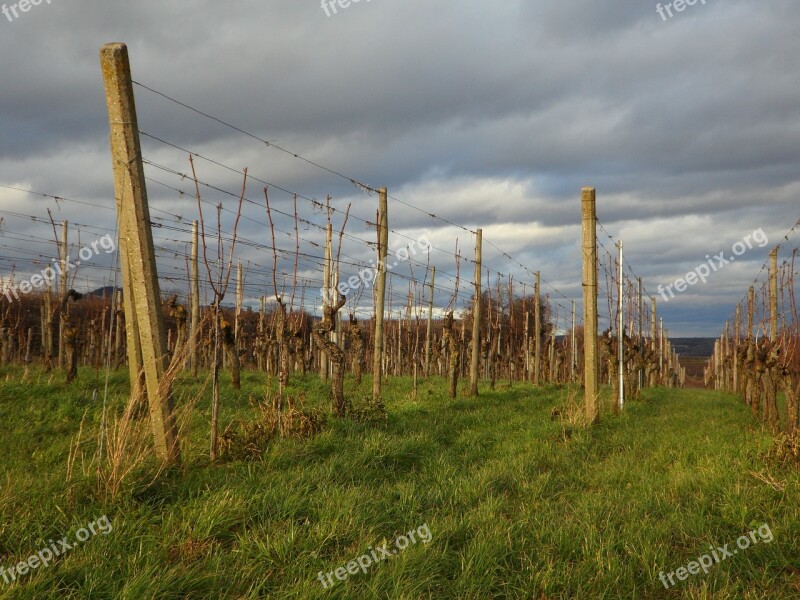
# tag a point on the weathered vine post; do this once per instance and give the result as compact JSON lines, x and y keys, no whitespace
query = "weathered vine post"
{"x":526,"y":336}
{"x":771,"y":379}
{"x":621,"y":331}
{"x":237,"y":318}
{"x":661,"y":351}
{"x":653,"y":319}
{"x":653,"y":334}
{"x":119,"y":311}
{"x":640,"y":308}
{"x":773,"y":295}
{"x":239,"y":302}
{"x":590,"y":303}
{"x":716,"y":360}
{"x":141,"y":292}
{"x":476,"y":317}
{"x":572,"y":346}
{"x":736,"y":334}
{"x":63,"y":293}
{"x":751,"y":393}
{"x":380,"y":291}
{"x":725,"y":351}
{"x":327,"y":297}
{"x":430,"y":326}
{"x":195,"y":283}
{"x":47,"y":330}
{"x":537,"y":330}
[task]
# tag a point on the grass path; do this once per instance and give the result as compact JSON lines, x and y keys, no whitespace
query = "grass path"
{"x":516,"y":505}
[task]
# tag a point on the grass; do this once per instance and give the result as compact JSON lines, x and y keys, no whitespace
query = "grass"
{"x":518,"y":505}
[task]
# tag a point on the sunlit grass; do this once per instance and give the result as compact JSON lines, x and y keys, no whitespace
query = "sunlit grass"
{"x":519,"y":505}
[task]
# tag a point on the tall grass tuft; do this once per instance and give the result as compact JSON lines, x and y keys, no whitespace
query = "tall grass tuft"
{"x":122,"y":452}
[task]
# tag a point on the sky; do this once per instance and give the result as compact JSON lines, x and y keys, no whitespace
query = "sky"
{"x":490,"y":115}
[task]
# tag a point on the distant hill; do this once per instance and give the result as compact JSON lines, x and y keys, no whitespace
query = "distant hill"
{"x":103,"y":292}
{"x":693,"y":346}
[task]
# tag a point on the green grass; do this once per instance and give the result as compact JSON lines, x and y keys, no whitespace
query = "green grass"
{"x":515,"y":508}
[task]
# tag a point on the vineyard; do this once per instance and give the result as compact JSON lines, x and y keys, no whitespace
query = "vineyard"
{"x":287,"y":398}
{"x":293,"y":306}
{"x":756,"y":357}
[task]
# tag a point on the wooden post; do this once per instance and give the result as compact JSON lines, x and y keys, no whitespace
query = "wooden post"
{"x":63,"y":292}
{"x":476,"y":317}
{"x":487,"y":363}
{"x":667,"y":360}
{"x":380,"y":291}
{"x":737,"y":328}
{"x":144,"y":304}
{"x":47,"y":329}
{"x":572,"y":346}
{"x":430,"y":326}
{"x":337,"y":333}
{"x":621,"y":331}
{"x":661,"y":352}
{"x":195,"y":284}
{"x":773,"y":295}
{"x":387,"y":343}
{"x":751,"y":302}
{"x":398,"y":364}
{"x":462,"y":348}
{"x":640,"y":308}
{"x":327,"y":297}
{"x":239,"y":301}
{"x":725,"y":349}
{"x":526,"y":312}
{"x":653,"y":317}
{"x":499,"y":322}
{"x":537,"y":330}
{"x":512,"y":334}
{"x":589,"y":217}
{"x":262,"y":344}
{"x":675,"y":365}
{"x":118,"y":323}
